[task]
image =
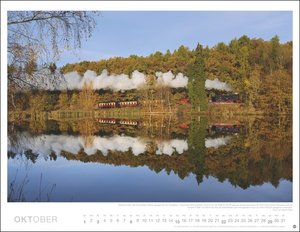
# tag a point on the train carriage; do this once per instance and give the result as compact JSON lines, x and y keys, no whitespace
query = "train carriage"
{"x":107,"y":105}
{"x":128,"y":103}
{"x":117,"y":104}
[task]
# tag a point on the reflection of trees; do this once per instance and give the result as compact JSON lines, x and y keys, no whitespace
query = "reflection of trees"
{"x":151,"y":147}
{"x":196,"y":142}
{"x":261,"y":152}
{"x":179,"y":164}
{"x":12,"y":135}
{"x":14,"y":140}
{"x":53,"y":156}
{"x":37,"y":126}
{"x":154,"y":126}
{"x":87,"y":129}
{"x":159,"y":126}
{"x":31,"y":156}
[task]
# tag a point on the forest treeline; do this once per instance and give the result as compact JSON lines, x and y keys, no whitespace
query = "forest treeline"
{"x":260,"y":71}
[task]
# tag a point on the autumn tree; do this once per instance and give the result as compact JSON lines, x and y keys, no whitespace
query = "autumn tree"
{"x":253,"y":86}
{"x":74,"y":101}
{"x":275,"y":54}
{"x":147,"y":92}
{"x":244,"y":64}
{"x":35,"y":41}
{"x":63,"y":100}
{"x":38,"y":102}
{"x":87,"y":97}
{"x":277,"y":92}
{"x":196,"y":83}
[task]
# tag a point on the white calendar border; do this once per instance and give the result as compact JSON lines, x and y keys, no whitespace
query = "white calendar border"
{"x":70,"y":214}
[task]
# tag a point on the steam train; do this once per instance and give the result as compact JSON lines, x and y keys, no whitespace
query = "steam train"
{"x":217,"y":99}
{"x":232,"y":98}
{"x":117,"y":104}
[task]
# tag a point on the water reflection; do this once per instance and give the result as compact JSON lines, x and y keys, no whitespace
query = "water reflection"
{"x":231,"y":156}
{"x":46,"y":144}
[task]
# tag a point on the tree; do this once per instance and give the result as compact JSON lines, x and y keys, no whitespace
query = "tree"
{"x":234,"y":46}
{"x":38,"y":102}
{"x":275,"y":53}
{"x":244,"y":64}
{"x":36,"y":38}
{"x":74,"y":101}
{"x":87,"y":98}
{"x":244,"y":40}
{"x":277,"y":92}
{"x":147,"y":91}
{"x":287,"y":56}
{"x":196,"y":83}
{"x":253,"y":86}
{"x":63,"y":100}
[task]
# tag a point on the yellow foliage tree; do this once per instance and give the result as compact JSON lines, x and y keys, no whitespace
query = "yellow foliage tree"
{"x":87,"y":98}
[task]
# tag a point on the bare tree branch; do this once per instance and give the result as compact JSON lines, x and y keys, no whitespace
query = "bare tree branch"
{"x":36,"y":38}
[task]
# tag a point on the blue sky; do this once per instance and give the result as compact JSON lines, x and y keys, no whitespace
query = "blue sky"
{"x":144,"y":32}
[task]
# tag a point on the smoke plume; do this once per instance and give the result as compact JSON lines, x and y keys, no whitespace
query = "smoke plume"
{"x":216,"y":84}
{"x":123,"y":82}
{"x":169,"y":79}
{"x":104,"y":81}
{"x":120,"y":82}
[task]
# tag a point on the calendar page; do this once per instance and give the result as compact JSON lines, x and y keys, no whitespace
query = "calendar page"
{"x":149,"y":116}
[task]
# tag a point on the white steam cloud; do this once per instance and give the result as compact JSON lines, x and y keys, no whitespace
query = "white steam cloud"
{"x":45,"y":144}
{"x":216,"y":84}
{"x":121,"y":82}
{"x":168,"y":79}
{"x":104,"y":81}
{"x":169,"y":147}
{"x":217,"y":142}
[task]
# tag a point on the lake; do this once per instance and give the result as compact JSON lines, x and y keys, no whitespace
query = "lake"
{"x":150,"y":159}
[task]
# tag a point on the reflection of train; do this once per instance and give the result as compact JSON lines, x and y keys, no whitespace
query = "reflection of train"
{"x":128,"y":122}
{"x":184,"y":125}
{"x":226,"y":128}
{"x":184,"y":100}
{"x":118,"y":121}
{"x":118,"y":104}
{"x":217,"y":128}
{"x":232,"y":98}
{"x":219,"y":98}
{"x":107,"y":120}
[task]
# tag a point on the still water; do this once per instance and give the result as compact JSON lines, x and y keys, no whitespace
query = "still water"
{"x":156,"y":159}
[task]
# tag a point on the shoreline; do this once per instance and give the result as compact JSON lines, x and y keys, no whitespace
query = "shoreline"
{"x":132,"y":113}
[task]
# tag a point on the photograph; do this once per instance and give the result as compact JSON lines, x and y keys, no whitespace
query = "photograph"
{"x":149,"y":106}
